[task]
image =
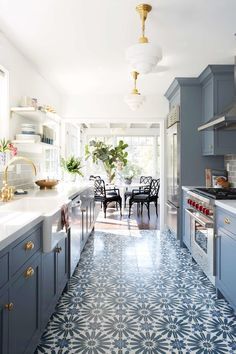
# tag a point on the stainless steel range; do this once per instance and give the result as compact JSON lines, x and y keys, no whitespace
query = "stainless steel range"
{"x":201,"y":210}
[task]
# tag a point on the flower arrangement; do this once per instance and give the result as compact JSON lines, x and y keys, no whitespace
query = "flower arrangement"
{"x":6,"y":145}
{"x":7,"y":150}
{"x":130,"y":171}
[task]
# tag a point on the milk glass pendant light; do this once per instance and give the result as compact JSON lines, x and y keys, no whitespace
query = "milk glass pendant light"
{"x":143,"y":56}
{"x":134,"y":100}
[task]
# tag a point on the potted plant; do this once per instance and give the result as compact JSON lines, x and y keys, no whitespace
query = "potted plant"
{"x":72,"y":165}
{"x":109,"y":156}
{"x":129,"y":172}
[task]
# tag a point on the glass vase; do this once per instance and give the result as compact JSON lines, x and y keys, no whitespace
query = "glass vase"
{"x":4,"y":157}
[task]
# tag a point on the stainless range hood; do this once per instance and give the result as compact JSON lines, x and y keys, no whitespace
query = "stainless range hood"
{"x":225,"y":120}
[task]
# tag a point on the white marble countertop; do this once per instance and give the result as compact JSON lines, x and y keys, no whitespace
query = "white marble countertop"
{"x":62,"y":190}
{"x":14,"y":223}
{"x":229,"y":205}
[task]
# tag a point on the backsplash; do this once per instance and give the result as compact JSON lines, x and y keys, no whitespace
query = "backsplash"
{"x":45,"y":166}
{"x":230,"y":160}
{"x":22,"y":180}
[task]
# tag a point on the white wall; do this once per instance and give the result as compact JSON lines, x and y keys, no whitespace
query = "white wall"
{"x":24,"y":80}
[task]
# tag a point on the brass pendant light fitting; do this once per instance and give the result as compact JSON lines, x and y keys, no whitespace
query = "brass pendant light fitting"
{"x":143,"y":10}
{"x":135,"y":76}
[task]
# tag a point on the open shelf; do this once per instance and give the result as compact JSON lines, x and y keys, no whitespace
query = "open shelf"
{"x":31,"y":146}
{"x":47,"y":118}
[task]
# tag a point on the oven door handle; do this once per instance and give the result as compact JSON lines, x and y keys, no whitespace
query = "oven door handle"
{"x":207,"y":224}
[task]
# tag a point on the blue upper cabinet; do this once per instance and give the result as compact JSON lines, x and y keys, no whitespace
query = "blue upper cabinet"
{"x":217,"y":82}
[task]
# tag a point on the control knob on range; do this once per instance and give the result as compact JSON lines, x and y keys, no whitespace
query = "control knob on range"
{"x":193,"y":204}
{"x":197,"y":206}
{"x":200,"y":207}
{"x":207,"y":211}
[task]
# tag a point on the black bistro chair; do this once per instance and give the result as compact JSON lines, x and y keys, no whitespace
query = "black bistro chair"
{"x":101,"y":194}
{"x":92,"y":177}
{"x":145,"y":198}
{"x":144,"y":180}
{"x":111,"y":191}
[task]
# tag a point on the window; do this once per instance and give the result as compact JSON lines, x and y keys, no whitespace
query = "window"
{"x":143,"y":151}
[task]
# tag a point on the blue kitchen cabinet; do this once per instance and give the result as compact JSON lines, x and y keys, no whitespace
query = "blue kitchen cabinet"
{"x":217,"y":82}
{"x":49,"y":286}
{"x":191,"y":164}
{"x":4,"y":318}
{"x":24,"y":319}
{"x":54,"y":278}
{"x":62,"y":265}
{"x":20,"y":293}
{"x":225,"y":256}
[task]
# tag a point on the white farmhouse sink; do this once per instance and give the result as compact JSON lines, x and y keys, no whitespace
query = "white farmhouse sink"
{"x":49,"y":208}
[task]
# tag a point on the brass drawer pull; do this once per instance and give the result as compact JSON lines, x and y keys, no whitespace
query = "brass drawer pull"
{"x":29,"y":272}
{"x":227,"y":221}
{"x":9,"y":307}
{"x":58,"y":249}
{"x":29,"y":246}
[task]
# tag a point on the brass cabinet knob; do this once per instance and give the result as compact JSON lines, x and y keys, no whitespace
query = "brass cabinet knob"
{"x":29,"y":246}
{"x":29,"y":272}
{"x":58,"y":249}
{"x":9,"y":306}
{"x":227,"y":221}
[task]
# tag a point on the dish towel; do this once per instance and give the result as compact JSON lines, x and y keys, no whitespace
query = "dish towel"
{"x":65,"y":217}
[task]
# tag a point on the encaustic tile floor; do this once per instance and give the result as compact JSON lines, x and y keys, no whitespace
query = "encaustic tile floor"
{"x":138,"y":292}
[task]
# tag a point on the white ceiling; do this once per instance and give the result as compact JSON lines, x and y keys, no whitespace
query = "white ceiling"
{"x":79,"y":46}
{"x":121,"y":125}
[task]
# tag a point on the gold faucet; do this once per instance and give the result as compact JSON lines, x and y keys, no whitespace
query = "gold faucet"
{"x":7,"y":191}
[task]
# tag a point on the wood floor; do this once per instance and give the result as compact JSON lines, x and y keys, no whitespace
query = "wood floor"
{"x":135,"y":222}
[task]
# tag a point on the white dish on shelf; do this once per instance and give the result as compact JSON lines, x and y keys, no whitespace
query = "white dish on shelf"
{"x":27,"y":133}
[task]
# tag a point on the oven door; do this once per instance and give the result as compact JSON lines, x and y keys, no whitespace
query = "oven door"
{"x":202,"y":242}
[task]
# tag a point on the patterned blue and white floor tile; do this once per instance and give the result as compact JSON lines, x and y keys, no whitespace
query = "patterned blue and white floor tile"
{"x":138,"y":292}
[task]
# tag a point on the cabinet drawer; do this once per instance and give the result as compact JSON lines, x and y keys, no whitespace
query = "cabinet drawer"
{"x":22,"y":252}
{"x":4,"y":266}
{"x":226,"y":220}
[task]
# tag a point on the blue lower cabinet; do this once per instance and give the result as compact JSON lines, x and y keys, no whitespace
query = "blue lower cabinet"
{"x":24,"y":318}
{"x":49,"y":286}
{"x":5,"y":306}
{"x":62,"y":265}
{"x":4,"y":267}
{"x":225,"y":255}
{"x":226,"y":265}
{"x":54,"y":278}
